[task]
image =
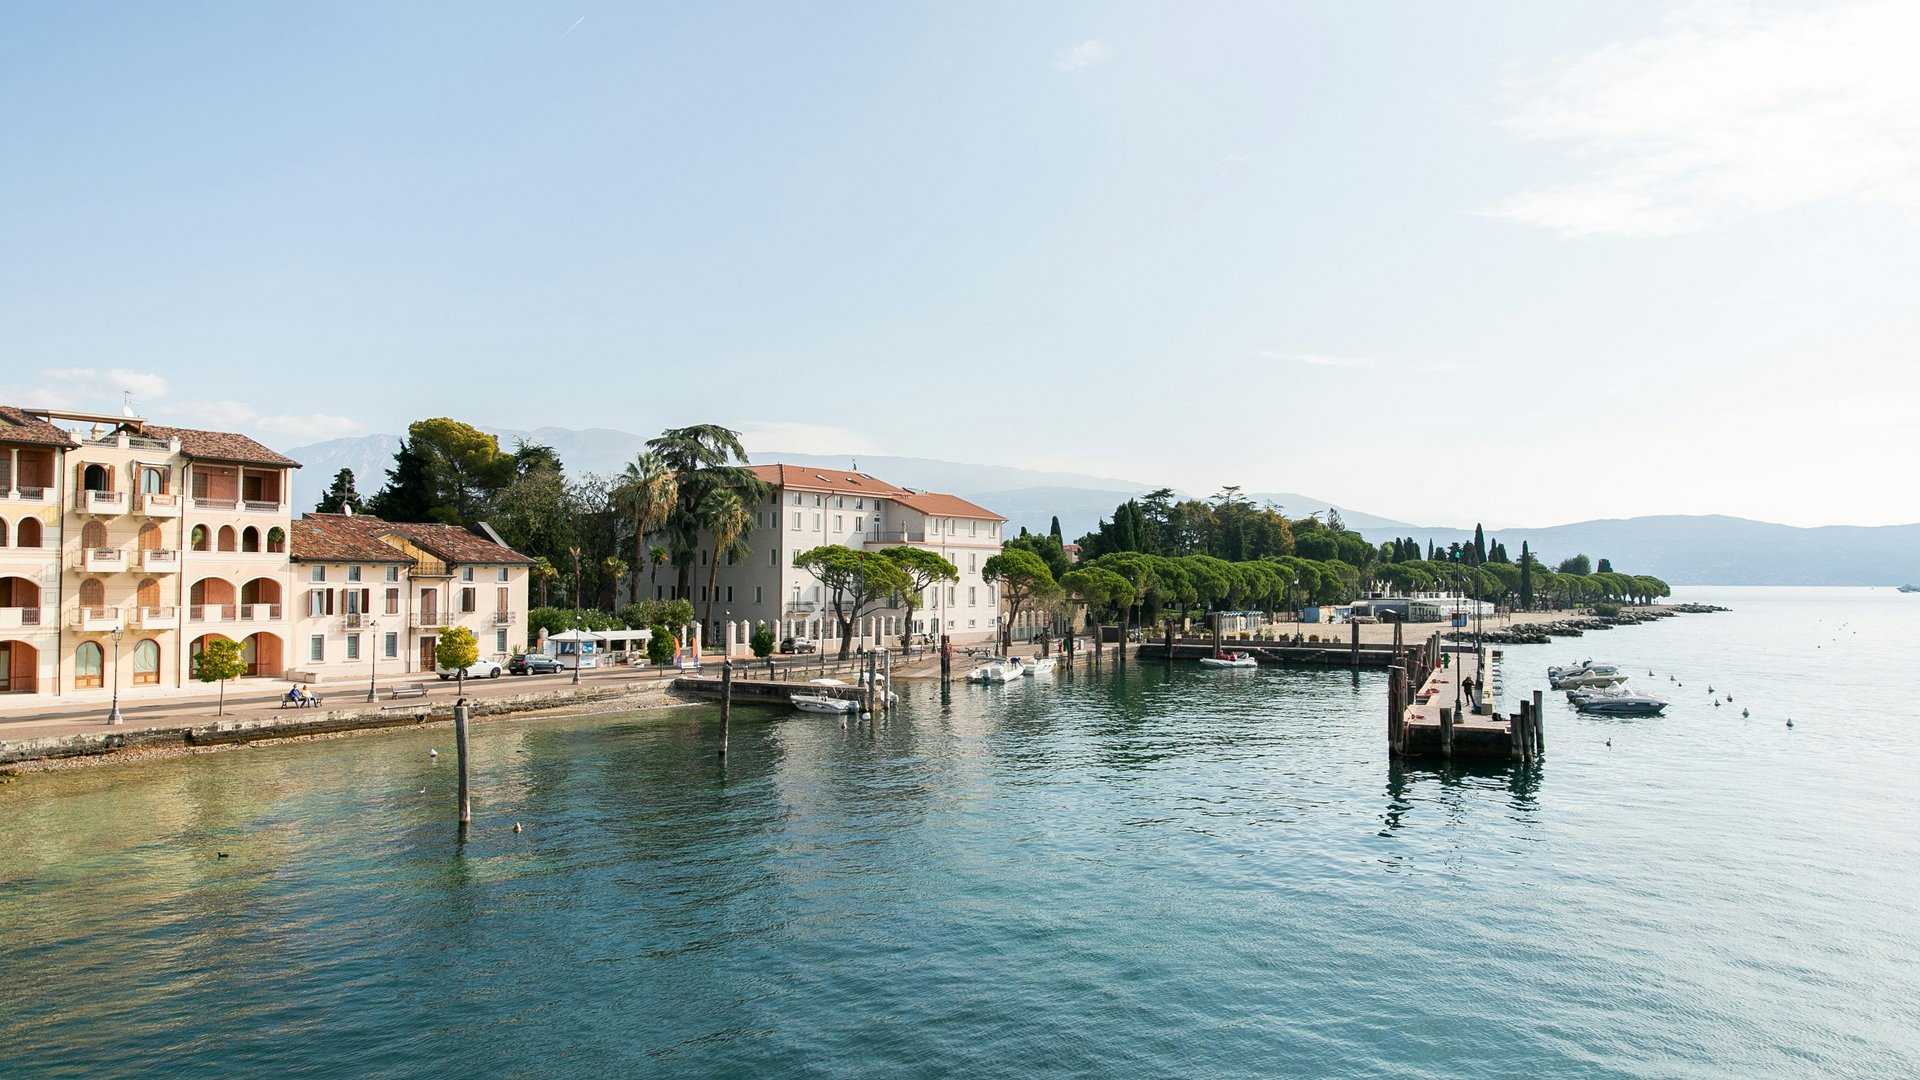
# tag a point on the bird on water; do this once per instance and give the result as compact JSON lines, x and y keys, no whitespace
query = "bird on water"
{"x":433,"y":753}
{"x":1789,"y":721}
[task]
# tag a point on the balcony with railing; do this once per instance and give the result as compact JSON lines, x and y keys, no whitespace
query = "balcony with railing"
{"x":881,"y":539}
{"x":21,"y":618}
{"x":213,"y":613}
{"x":27,"y":493}
{"x":99,"y":619}
{"x":154,"y":617}
{"x":202,"y":503}
{"x":159,"y":560}
{"x":158,"y":505}
{"x":356,"y":620}
{"x":103,"y":502}
{"x":428,"y":620}
{"x":257,"y":506}
{"x":504,"y":618}
{"x":103,"y":560}
{"x":260,"y":612}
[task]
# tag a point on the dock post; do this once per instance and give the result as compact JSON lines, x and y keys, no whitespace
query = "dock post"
{"x":1396,"y":705}
{"x":1354,"y":652}
{"x":726,"y":702}
{"x":1446,"y":732}
{"x":1539,"y":728}
{"x":1169,"y":639}
{"x":460,"y":748}
{"x":946,"y":658}
{"x":886,"y":682}
{"x":1517,"y":733}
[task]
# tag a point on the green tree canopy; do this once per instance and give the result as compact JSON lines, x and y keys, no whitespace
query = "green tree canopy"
{"x":219,"y":660}
{"x":341,"y":496}
{"x":856,"y":582}
{"x":1025,"y":583}
{"x":701,"y":458}
{"x":456,"y":649}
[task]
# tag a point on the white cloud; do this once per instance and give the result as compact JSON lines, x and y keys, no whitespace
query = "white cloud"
{"x":88,"y":389}
{"x":790,"y":436}
{"x":1321,"y":359}
{"x":1732,"y":110}
{"x":314,"y":426}
{"x":1084,"y":55}
{"x":219,"y":415}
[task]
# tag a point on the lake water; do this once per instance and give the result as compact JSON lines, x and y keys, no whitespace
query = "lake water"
{"x":1178,"y":873}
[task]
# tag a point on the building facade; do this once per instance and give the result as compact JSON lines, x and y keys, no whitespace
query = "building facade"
{"x":129,"y":545}
{"x":376,"y":595}
{"x":809,"y":508}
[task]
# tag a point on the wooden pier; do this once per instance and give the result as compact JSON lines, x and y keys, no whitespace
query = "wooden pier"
{"x":1453,"y":713}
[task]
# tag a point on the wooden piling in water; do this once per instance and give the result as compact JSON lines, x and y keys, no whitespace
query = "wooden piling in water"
{"x":1354,"y":648}
{"x":886,"y":682}
{"x":726,"y":702}
{"x":1396,"y":705}
{"x":1539,"y":728}
{"x":460,"y":748}
{"x":1446,"y":732}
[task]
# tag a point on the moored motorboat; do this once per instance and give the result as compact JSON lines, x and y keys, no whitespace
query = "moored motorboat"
{"x":1007,"y":669}
{"x":1590,"y":675}
{"x":1621,"y":705}
{"x":1039,"y":665}
{"x":823,"y":703}
{"x":1229,"y":660}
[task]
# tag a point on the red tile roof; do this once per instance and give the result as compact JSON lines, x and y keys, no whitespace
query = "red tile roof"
{"x":318,"y":541}
{"x":450,"y":542}
{"x":219,"y":446}
{"x":804,"y":478}
{"x":934,"y":504}
{"x":17,"y":427}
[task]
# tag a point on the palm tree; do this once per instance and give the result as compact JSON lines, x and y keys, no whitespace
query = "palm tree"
{"x":646,"y":491}
{"x":701,"y":460}
{"x":656,"y":555}
{"x":616,"y":568}
{"x":543,"y":572}
{"x":728,"y":519}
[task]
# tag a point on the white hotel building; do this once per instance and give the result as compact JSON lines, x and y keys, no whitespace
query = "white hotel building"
{"x":811,"y":507}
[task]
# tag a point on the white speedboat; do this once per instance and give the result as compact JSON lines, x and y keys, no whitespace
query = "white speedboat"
{"x":1040,"y":665}
{"x":1006,"y":670}
{"x":1589,"y":675}
{"x":823,"y":703}
{"x":1620,"y":704}
{"x":981,"y":670}
{"x":1229,"y":660}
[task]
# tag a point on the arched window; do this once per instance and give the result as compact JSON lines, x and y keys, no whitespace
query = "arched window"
{"x":153,"y":481}
{"x":93,"y":594}
{"x":93,"y":535}
{"x":96,"y":478}
{"x":148,"y":594}
{"x":276,"y":539}
{"x":27,"y":533}
{"x":250,"y":539}
{"x":199,"y":539}
{"x":146,"y":663}
{"x":150,"y":537}
{"x":87,"y":665}
{"x":3,"y":532}
{"x":226,"y":538}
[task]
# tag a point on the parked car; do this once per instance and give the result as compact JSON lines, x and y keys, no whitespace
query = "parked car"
{"x":797,"y":645}
{"x":533,"y":664}
{"x":479,"y":669}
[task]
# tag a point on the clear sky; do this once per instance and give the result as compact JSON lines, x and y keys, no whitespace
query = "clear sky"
{"x":1524,"y":262}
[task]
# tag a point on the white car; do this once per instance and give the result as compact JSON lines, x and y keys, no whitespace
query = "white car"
{"x":479,"y":669}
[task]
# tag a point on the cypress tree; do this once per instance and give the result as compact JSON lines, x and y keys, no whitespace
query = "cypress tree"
{"x":409,"y":494}
{"x":1055,"y":531}
{"x":1526,"y":576}
{"x":1479,"y":545}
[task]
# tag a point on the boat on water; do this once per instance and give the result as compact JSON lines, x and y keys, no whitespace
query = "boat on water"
{"x":1229,"y":660}
{"x":1910,"y":588}
{"x":823,"y":703}
{"x":1039,"y":665}
{"x":1588,"y":674}
{"x":998,"y":669}
{"x":1620,"y":704}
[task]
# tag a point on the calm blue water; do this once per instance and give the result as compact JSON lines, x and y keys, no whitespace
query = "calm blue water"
{"x":1192,"y":874}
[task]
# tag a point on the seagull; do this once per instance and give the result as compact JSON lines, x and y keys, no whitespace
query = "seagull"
{"x":223,"y":854}
{"x":1789,"y":721}
{"x":1709,"y":689}
{"x":1609,"y":742}
{"x":423,"y":791}
{"x":1743,"y":714}
{"x":516,"y":826}
{"x":433,"y":753}
{"x":1716,"y":704}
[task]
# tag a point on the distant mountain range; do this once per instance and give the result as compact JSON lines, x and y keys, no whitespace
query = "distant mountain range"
{"x":1707,"y":550}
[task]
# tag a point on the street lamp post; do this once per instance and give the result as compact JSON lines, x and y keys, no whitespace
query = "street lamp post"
{"x":373,"y":655}
{"x":113,"y":714}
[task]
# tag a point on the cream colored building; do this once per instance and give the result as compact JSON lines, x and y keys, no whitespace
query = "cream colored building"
{"x":808,"y":508}
{"x":375,"y":595}
{"x":150,"y":541}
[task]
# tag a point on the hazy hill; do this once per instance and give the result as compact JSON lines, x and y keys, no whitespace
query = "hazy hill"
{"x":1708,"y":550}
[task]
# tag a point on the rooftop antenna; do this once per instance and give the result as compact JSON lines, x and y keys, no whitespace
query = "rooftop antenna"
{"x":856,"y":464}
{"x":126,"y":404}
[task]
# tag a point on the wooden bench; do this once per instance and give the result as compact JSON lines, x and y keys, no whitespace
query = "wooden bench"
{"x":408,"y":690}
